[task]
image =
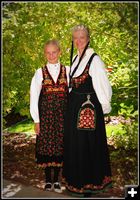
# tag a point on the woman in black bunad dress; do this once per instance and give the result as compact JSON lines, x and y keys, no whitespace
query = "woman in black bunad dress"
{"x":48,"y":99}
{"x":86,"y":158}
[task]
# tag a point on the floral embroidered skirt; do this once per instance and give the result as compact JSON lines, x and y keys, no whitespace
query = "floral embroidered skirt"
{"x":49,"y":143}
{"x":86,"y":157}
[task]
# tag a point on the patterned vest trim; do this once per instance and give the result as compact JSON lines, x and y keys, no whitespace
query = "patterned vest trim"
{"x":48,"y":84}
{"x":77,"y":81}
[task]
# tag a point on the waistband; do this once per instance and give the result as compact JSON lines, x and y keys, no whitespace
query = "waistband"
{"x":82,"y":93}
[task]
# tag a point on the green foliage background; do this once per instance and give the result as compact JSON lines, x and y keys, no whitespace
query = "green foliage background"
{"x":26,"y":26}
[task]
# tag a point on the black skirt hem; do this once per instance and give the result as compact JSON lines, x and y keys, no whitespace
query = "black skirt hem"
{"x":86,"y":192}
{"x":89,"y":188}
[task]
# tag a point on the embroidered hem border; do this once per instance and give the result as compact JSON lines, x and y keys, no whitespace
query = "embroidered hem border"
{"x":107,"y":182}
{"x":50,"y":164}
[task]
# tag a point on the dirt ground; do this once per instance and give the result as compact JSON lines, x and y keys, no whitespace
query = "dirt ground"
{"x":19,"y":165}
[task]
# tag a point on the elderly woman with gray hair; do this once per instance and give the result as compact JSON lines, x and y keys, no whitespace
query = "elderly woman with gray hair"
{"x":86,"y":157}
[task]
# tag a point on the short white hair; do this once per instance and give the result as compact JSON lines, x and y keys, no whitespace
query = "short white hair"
{"x":81,"y":27}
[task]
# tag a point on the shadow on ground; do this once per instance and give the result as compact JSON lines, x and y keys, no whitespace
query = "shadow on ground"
{"x":19,"y":165}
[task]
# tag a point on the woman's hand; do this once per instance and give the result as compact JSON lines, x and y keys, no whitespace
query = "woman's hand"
{"x":37,"y":128}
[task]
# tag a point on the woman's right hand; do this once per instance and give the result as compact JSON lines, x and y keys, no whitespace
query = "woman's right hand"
{"x":37,"y":128}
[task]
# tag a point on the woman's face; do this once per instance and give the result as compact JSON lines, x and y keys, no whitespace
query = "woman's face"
{"x":80,"y":39}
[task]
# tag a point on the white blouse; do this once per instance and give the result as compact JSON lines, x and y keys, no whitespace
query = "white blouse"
{"x":99,"y":77}
{"x":36,"y":86}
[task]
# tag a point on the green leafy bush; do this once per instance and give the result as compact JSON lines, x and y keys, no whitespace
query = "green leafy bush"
{"x":128,"y":139}
{"x":27,"y":25}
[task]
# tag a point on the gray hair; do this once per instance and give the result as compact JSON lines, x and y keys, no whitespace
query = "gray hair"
{"x":81,"y":27}
{"x":52,"y":42}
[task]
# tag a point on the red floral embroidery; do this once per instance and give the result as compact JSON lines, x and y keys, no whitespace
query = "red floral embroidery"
{"x":86,"y":119}
{"x":77,"y":81}
{"x":86,"y":115}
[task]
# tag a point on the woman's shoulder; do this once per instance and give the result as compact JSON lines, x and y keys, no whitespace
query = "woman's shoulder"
{"x":97,"y":64}
{"x":96,"y":59}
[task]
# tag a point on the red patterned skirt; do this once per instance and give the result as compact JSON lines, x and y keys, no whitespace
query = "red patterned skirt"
{"x":49,"y":143}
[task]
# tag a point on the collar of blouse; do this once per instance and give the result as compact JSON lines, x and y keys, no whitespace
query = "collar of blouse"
{"x":56,"y":65}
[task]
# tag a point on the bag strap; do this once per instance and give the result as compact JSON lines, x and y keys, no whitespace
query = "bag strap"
{"x":78,"y":63}
{"x":74,"y":59}
{"x":70,"y":76}
{"x":91,"y":58}
{"x":89,"y":62}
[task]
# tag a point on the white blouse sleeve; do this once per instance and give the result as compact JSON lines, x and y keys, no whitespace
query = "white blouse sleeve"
{"x":67,"y":73}
{"x":35,"y":88}
{"x":101,"y":83}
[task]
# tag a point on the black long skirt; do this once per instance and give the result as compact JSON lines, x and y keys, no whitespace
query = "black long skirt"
{"x":86,"y":156}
